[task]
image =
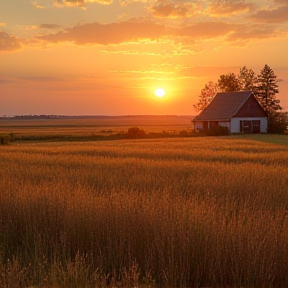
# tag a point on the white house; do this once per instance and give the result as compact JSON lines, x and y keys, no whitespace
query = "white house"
{"x":239,"y":111}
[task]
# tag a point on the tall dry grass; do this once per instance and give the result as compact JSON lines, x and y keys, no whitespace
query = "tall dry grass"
{"x":201,"y":212}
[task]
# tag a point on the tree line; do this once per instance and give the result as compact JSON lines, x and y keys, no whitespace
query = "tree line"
{"x":264,"y":86}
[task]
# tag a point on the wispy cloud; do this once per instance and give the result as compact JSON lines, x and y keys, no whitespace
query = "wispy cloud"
{"x":272,"y":16}
{"x":37,"y":5}
{"x":228,"y":8}
{"x":207,"y":30}
{"x":165,"y":9}
{"x":9,"y":42}
{"x":114,"y":33}
{"x":79,"y":3}
{"x":42,"y":79}
{"x":49,"y":26}
{"x":133,"y":32}
{"x":7,"y":80}
{"x":254,"y":32}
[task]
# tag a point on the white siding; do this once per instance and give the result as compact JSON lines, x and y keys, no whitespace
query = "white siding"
{"x":225,"y":124}
{"x":235,"y":124}
{"x":198,"y":125}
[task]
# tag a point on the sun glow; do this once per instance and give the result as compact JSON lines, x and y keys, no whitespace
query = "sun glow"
{"x":159,"y":92}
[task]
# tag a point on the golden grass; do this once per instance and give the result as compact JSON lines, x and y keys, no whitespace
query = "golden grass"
{"x":179,"y":212}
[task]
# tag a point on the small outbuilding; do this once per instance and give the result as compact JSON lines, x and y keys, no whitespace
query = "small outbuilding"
{"x":240,"y":112}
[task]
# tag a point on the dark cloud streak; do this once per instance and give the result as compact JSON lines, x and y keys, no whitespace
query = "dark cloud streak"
{"x":49,"y":26}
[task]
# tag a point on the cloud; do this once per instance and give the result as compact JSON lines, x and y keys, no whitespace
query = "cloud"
{"x":9,"y":42}
{"x":207,"y":30}
{"x":127,"y":2}
{"x":281,"y":2}
{"x":229,"y":8}
{"x":271,"y":16}
{"x":134,"y":31}
{"x":79,"y":3}
{"x":6,"y":81}
{"x":205,"y":71}
{"x":114,"y":33}
{"x":170,"y":10}
{"x":49,"y":26}
{"x":36,"y":5}
{"x":42,"y":79}
{"x":253,"y":32}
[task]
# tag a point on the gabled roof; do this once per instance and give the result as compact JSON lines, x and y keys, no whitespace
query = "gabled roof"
{"x":224,"y":106}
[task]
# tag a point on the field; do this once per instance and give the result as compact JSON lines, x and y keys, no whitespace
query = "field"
{"x":173,"y":212}
{"x":88,"y":127}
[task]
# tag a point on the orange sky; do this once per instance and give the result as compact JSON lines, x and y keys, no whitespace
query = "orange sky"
{"x":91,"y":57}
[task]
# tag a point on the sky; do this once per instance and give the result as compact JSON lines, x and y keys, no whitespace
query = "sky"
{"x":107,"y":57}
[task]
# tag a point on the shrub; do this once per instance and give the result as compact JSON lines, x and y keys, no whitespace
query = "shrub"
{"x":4,"y":140}
{"x":135,"y":132}
{"x":218,"y":131}
{"x":278,"y":122}
{"x":277,"y":127}
{"x":183,"y":133}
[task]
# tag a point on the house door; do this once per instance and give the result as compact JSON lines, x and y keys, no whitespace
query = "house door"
{"x":247,"y":126}
{"x":256,"y":126}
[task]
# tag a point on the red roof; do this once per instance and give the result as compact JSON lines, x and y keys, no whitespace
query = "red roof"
{"x":224,"y":106}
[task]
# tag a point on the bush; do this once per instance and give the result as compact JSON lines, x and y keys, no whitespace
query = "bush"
{"x":135,"y":132}
{"x":277,"y":127}
{"x":218,"y":131}
{"x":278,"y":122}
{"x":4,"y":139}
{"x":183,"y":133}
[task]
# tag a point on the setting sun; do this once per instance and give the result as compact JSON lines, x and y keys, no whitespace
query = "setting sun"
{"x":159,"y":92}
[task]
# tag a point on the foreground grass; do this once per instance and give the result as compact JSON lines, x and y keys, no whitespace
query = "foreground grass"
{"x":188,"y":212}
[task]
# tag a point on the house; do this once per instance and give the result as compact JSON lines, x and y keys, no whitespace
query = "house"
{"x":240,"y":112}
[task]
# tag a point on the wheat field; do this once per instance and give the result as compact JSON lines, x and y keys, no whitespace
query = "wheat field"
{"x":178,"y":212}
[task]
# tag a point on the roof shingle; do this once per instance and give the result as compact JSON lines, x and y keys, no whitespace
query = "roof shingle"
{"x":224,"y":106}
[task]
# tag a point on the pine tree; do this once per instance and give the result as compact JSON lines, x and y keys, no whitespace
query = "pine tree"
{"x":266,"y":89}
{"x":206,"y":96}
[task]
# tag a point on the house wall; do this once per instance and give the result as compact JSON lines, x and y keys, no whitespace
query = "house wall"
{"x":235,"y":123}
{"x":198,"y":125}
{"x":225,"y":124}
{"x":251,"y":108}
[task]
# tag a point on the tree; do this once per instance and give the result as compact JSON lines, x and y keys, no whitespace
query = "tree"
{"x":206,"y":96}
{"x":247,"y":79}
{"x":229,"y":83}
{"x":278,"y":122}
{"x":267,"y":88}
